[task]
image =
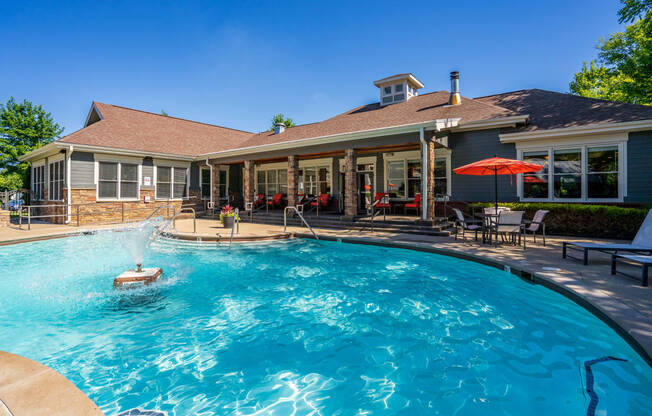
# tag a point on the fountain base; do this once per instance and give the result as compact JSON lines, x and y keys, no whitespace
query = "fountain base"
{"x":140,"y":276}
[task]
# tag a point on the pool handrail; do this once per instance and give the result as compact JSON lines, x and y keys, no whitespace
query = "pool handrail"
{"x":285,"y":220}
{"x":236,"y":220}
{"x":194,"y":218}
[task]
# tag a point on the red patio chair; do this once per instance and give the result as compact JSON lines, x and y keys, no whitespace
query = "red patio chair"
{"x":321,"y":202}
{"x":416,"y":204}
{"x":276,"y":201}
{"x":260,"y":200}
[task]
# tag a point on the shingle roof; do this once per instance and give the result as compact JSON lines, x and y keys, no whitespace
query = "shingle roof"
{"x":422,"y":108}
{"x":125,"y":128}
{"x":551,"y":110}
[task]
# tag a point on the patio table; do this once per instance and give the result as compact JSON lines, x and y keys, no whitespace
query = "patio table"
{"x":490,"y":222}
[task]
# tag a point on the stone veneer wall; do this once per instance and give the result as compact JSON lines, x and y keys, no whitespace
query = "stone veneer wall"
{"x":92,"y":211}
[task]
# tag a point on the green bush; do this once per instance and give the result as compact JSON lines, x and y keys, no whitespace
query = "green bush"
{"x":600,"y":221}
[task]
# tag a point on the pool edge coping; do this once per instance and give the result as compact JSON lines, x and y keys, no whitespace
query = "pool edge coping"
{"x":523,"y":273}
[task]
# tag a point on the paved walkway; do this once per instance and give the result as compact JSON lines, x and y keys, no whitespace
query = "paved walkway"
{"x":620,"y":299}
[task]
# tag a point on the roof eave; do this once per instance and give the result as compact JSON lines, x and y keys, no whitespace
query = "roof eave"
{"x":595,"y":128}
{"x":493,"y":123}
{"x":437,"y":125}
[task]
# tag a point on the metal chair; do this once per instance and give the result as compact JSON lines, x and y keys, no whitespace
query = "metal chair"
{"x":537,"y":224}
{"x":469,"y":224}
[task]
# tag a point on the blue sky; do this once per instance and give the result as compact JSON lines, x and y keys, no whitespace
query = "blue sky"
{"x":236,"y":63}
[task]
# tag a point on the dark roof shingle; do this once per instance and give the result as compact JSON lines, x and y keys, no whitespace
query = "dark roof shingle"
{"x":553,"y":110}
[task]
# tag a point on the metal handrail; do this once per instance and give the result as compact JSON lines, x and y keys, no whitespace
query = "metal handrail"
{"x":236,"y":219}
{"x":194,"y":218}
{"x":158,"y":209}
{"x":285,"y":220}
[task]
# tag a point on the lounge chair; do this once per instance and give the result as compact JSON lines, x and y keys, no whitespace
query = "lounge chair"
{"x":467,"y":224}
{"x":642,"y":243}
{"x":321,"y":202}
{"x":537,"y":224}
{"x":382,"y":202}
{"x":644,"y":261}
{"x":259,"y":201}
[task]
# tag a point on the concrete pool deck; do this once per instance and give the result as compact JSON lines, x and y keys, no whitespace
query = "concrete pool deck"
{"x":620,"y":301}
{"x":28,"y":388}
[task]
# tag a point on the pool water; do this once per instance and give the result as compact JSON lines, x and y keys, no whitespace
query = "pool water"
{"x":308,"y":328}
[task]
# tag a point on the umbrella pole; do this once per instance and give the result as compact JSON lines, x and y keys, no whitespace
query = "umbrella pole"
{"x":495,"y":190}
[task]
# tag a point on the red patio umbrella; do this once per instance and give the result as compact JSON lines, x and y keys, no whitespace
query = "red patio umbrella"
{"x":497,"y":166}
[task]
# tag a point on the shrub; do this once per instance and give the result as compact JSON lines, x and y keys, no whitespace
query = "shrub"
{"x":601,"y":221}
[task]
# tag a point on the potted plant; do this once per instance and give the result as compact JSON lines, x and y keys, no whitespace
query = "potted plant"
{"x":227,"y":216}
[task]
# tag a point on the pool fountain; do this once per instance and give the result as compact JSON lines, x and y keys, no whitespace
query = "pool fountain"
{"x":136,"y":238}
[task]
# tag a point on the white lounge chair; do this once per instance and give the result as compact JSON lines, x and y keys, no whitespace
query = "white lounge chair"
{"x":642,"y":243}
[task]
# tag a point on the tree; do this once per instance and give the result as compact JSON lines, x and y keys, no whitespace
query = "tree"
{"x":23,"y":128}
{"x":623,"y":71}
{"x":163,"y":113}
{"x":633,"y":9}
{"x":280,"y":118}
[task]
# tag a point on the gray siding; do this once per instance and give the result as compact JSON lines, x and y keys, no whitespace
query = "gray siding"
{"x":469,"y":147}
{"x":639,"y":156}
{"x":82,"y":170}
{"x":148,"y":170}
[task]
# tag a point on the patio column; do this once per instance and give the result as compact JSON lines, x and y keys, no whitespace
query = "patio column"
{"x":248,"y":188}
{"x":350,"y":185}
{"x":215,"y":184}
{"x":293,"y":180}
{"x":430,"y":211}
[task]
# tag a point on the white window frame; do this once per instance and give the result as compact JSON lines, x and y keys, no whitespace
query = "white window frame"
{"x":36,"y":165}
{"x":201,"y":183}
{"x":118,"y":196}
{"x":416,"y":155}
{"x":52,"y":161}
{"x":316,"y":164}
{"x":583,"y":144}
{"x":172,"y":167}
{"x":267,"y":168}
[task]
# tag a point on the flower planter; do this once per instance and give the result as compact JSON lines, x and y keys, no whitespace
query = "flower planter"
{"x":227,"y":221}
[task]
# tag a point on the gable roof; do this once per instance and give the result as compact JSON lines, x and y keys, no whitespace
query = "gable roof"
{"x":552,"y":110}
{"x":419,"y":109}
{"x":129,"y":129}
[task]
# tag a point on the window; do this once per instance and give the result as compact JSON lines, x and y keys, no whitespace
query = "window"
{"x":117,"y":180}
{"x":535,"y":185}
{"x":205,"y":181}
{"x":582,"y":173}
{"x":413,"y":177}
{"x":56,"y":181}
{"x":440,"y":177}
{"x":108,"y":180}
{"x":398,"y":88}
{"x":568,"y":173}
{"x":272,"y":181}
{"x":223,"y":185}
{"x":179,"y":183}
{"x":602,"y":172}
{"x":128,"y":181}
{"x":38,"y":178}
{"x":396,"y":179}
{"x":387,"y":99}
{"x":387,"y":90}
{"x":171,"y":182}
{"x":163,"y":182}
{"x":315,"y":180}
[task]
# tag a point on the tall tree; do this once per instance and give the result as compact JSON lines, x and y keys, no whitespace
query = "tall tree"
{"x":623,"y":70}
{"x":280,"y":118}
{"x":23,"y":128}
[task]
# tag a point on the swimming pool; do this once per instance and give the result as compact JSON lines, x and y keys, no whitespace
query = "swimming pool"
{"x":305,"y":327}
